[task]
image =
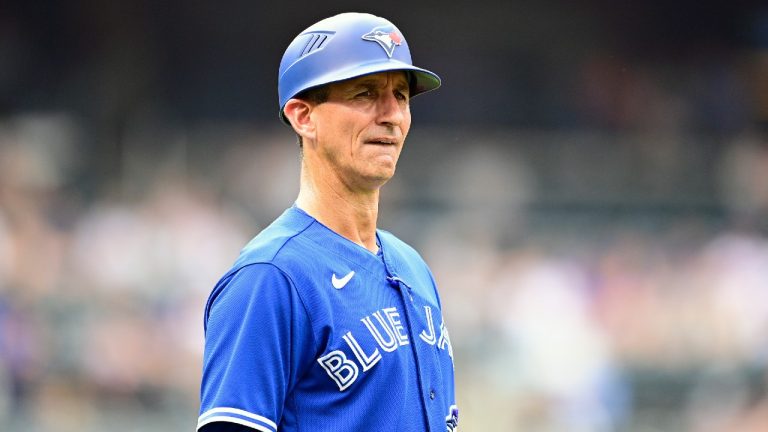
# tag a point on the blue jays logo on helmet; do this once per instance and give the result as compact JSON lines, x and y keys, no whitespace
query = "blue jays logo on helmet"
{"x":388,"y":39}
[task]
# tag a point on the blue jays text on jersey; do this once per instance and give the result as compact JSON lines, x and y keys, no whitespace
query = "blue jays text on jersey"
{"x":309,"y":331}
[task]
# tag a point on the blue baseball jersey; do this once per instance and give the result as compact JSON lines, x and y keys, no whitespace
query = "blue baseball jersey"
{"x":311,"y":332}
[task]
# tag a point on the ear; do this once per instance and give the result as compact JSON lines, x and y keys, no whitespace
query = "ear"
{"x":298,"y":112}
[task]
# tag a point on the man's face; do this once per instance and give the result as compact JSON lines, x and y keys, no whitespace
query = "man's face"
{"x":361,"y":128}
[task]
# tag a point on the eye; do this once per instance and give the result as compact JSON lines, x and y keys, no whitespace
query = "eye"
{"x":364,"y":94}
{"x":403,"y":96}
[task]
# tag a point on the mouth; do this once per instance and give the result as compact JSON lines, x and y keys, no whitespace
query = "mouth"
{"x":381,"y":141}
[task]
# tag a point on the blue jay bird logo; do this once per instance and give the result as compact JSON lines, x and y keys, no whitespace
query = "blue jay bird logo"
{"x":386,"y":39}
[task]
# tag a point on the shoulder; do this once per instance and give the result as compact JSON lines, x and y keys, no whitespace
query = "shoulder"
{"x":409,"y":265}
{"x":398,"y":249}
{"x":403,"y":258}
{"x":266,"y":268}
{"x":284,"y":244}
{"x":395,"y":244}
{"x":249,"y":286}
{"x":277,"y":238}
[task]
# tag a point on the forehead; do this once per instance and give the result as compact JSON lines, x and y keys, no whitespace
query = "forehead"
{"x":399,"y":78}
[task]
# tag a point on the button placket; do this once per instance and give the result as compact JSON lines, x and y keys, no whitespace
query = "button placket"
{"x":424,"y":382}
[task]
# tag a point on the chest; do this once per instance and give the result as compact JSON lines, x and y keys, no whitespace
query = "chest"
{"x":367,"y":323}
{"x":382,"y":348}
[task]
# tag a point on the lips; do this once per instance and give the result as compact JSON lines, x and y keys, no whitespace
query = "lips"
{"x":381,"y":141}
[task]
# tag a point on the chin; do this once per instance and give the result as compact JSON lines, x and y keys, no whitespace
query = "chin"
{"x":379,"y":178}
{"x":386,"y":173}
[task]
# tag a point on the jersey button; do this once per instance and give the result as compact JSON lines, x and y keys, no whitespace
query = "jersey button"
{"x":432,"y":394}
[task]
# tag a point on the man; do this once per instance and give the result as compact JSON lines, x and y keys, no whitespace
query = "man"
{"x":325,"y":323}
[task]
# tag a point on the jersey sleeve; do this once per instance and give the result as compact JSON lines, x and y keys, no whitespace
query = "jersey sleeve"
{"x":257,"y":341}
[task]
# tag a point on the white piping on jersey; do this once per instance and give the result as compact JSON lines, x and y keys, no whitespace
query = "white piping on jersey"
{"x":235,"y":419}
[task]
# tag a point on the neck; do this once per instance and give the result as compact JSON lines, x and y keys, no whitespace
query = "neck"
{"x":351,"y":214}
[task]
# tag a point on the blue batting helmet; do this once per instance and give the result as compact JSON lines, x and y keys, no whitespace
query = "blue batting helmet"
{"x":346,"y":46}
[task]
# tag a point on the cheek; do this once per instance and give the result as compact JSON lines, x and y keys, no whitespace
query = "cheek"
{"x":350,"y":131}
{"x":342,"y":141}
{"x":348,"y":139}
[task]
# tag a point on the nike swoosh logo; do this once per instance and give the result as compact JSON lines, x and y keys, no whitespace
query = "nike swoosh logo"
{"x":341,"y":283}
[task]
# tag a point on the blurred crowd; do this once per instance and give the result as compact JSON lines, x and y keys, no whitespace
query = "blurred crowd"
{"x":100,"y":297}
{"x":568,"y":310}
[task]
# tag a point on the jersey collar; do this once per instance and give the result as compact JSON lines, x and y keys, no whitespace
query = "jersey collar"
{"x":337,"y":243}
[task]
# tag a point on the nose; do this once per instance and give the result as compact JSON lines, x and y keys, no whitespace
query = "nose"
{"x":390,"y":109}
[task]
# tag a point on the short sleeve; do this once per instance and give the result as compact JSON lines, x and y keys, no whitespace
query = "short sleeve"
{"x":257,"y":340}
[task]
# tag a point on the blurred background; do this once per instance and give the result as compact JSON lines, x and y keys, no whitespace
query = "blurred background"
{"x":590,"y":187}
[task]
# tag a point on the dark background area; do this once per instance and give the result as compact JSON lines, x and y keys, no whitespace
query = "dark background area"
{"x":515,"y":63}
